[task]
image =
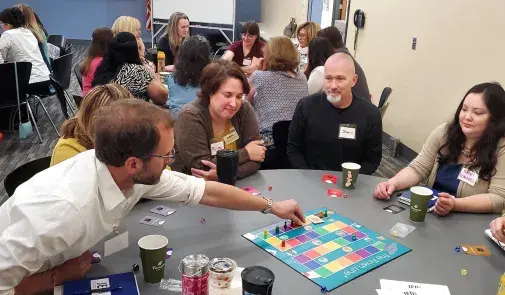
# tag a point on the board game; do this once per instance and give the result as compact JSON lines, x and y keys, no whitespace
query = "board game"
{"x":331,"y":253}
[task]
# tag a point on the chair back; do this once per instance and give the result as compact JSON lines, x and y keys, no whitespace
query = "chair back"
{"x":62,"y":69}
{"x":78,"y":75}
{"x":58,"y":40}
{"x":24,"y":173}
{"x":60,"y":95}
{"x":280,"y":132}
{"x":384,"y":96}
{"x":8,"y":96}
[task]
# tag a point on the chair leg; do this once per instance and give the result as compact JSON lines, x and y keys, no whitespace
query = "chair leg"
{"x":69,"y":102}
{"x":47,"y":114}
{"x":33,"y":120}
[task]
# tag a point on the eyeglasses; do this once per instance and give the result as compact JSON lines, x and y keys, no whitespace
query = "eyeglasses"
{"x":170,"y":156}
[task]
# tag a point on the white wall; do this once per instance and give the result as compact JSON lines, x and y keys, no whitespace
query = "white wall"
{"x":277,"y":13}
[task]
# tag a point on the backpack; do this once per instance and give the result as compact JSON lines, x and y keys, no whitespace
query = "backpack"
{"x":290,"y":29}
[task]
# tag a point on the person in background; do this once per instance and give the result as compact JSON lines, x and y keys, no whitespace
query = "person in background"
{"x":76,"y":132}
{"x":333,"y":127}
{"x":361,"y":88}
{"x":48,"y":226}
{"x":305,"y":33}
{"x":100,"y":41}
{"x":183,"y":85}
{"x":464,"y":159}
{"x":37,"y":30}
{"x":177,"y":30}
{"x":18,"y":44}
{"x":247,"y":53}
{"x":276,"y":90}
{"x":122,"y":65}
{"x":218,"y":119}
{"x":320,"y":49}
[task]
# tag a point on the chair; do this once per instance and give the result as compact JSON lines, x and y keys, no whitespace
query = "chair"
{"x":78,"y":75}
{"x":9,"y":90}
{"x":24,"y":173}
{"x":384,"y":101}
{"x":59,"y":41}
{"x":277,"y":158}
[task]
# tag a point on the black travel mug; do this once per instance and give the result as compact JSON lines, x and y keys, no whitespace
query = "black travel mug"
{"x":227,"y":166}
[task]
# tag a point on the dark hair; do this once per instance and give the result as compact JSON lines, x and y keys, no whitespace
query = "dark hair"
{"x":320,"y":49}
{"x":13,"y":16}
{"x":332,"y":34}
{"x":100,"y":41}
{"x":484,"y":153}
{"x":192,"y":57}
{"x":127,"y":128}
{"x":214,"y":75}
{"x":122,"y":50}
{"x":251,"y":28}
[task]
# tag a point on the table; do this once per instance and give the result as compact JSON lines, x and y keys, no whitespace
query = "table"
{"x":432,"y":259}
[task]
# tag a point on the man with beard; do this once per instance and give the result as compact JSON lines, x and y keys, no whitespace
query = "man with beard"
{"x":60,"y":213}
{"x":333,"y":127}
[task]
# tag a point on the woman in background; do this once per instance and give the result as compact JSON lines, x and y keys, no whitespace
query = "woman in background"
{"x":183,"y":85}
{"x":122,"y":65}
{"x":177,"y":30}
{"x":37,"y":30}
{"x":248,"y":51}
{"x":99,"y":44}
{"x":305,"y":33}
{"x":319,"y":50}
{"x":76,"y":132}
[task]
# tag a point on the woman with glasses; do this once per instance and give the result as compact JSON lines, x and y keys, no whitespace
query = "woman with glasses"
{"x":218,"y":119}
{"x":247,"y":53}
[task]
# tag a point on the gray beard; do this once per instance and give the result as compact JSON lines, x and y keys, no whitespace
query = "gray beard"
{"x":334,"y":99}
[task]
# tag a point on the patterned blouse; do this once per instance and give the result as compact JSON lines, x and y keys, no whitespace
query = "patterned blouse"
{"x":135,"y":78}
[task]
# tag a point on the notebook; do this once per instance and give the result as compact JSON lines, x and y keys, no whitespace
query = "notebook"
{"x":126,"y":281}
{"x":490,"y":235}
{"x":404,"y":198}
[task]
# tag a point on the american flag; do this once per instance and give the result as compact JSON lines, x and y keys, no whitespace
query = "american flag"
{"x":148,"y":15}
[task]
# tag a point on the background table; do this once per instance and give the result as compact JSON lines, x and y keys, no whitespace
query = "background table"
{"x":432,"y":259}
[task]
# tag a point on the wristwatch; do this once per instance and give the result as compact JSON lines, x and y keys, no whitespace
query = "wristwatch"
{"x":269,"y":206}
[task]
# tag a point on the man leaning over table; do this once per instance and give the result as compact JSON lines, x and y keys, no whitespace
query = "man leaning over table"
{"x":59,"y":214}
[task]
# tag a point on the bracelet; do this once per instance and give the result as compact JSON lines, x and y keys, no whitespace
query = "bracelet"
{"x":269,"y":206}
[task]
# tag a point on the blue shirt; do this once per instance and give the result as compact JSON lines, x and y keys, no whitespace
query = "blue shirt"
{"x":447,"y":178}
{"x":179,"y":95}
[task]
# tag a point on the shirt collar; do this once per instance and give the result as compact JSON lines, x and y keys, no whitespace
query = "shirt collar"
{"x":109,"y":191}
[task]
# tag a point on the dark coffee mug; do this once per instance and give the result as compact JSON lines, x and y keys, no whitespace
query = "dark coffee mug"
{"x":227,"y":166}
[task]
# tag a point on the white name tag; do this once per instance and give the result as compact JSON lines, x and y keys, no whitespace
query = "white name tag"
{"x":347,"y":132}
{"x":214,"y":147}
{"x":467,"y":176}
{"x":246,"y":62}
{"x":233,"y":136}
{"x":116,"y":244}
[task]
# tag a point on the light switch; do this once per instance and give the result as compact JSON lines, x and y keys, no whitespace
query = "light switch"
{"x":414,"y":43}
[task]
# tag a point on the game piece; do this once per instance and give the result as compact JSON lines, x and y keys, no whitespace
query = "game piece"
{"x":269,"y":187}
{"x":324,"y":290}
{"x":136,"y":267}
{"x":265,"y":233}
{"x":395,"y":233}
{"x":277,"y":230}
{"x":300,"y":248}
{"x":457,"y":249}
{"x":169,"y":253}
{"x":320,"y":215}
{"x":464,"y":272}
{"x":285,"y":225}
{"x":326,"y":213}
{"x":334,"y":193}
{"x":354,"y":238}
{"x":252,"y":190}
{"x":345,"y":196}
{"x":203,"y":221}
{"x":476,"y":250}
{"x":96,"y":258}
{"x":328,"y":178}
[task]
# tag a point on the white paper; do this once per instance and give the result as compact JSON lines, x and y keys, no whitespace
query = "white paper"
{"x":404,"y":292}
{"x":116,"y":244}
{"x":402,"y":285}
{"x":490,"y":235}
{"x":250,"y":236}
{"x":100,"y":284}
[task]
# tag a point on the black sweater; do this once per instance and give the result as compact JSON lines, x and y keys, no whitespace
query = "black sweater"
{"x":314,"y":143}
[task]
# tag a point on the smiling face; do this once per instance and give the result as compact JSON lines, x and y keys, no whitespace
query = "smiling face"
{"x":474,"y":115}
{"x":226,"y":102}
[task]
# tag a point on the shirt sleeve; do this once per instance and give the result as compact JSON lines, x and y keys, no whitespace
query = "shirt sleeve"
{"x":425,"y":160}
{"x":316,"y":81}
{"x":33,"y":236}
{"x":496,"y":188}
{"x":177,"y":187}
{"x":5,"y":47}
{"x":373,"y":144}
{"x":295,"y":138}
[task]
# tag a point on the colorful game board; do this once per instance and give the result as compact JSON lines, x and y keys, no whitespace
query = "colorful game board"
{"x":330,"y":253}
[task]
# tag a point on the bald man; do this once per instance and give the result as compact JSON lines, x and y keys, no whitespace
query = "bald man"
{"x":333,"y":127}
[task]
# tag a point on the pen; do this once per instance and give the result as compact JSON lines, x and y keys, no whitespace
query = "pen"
{"x":98,"y":291}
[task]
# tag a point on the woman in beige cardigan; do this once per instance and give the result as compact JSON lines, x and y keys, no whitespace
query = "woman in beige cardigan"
{"x":463,"y":159}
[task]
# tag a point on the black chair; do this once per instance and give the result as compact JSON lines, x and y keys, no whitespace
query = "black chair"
{"x":277,"y":158}
{"x":24,"y":173}
{"x":9,"y":91}
{"x":384,"y":100}
{"x":59,"y":41}
{"x":78,"y":75}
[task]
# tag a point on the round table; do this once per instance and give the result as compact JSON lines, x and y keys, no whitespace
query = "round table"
{"x":432,"y":259}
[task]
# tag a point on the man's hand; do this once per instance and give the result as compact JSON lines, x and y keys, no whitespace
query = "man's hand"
{"x":73,"y":269}
{"x":288,"y":210}
{"x":210,"y":175}
{"x":384,"y":190}
{"x":497,"y":227}
{"x":445,"y":204}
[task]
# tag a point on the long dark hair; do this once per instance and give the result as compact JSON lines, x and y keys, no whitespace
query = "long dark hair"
{"x":484,"y":152}
{"x":320,"y":49}
{"x":122,"y":50}
{"x":192,"y":57}
{"x":100,"y":41}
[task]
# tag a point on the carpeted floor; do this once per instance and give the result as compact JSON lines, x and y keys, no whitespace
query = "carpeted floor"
{"x":15,"y":152}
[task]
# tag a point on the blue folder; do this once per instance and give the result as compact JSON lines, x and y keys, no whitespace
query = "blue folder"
{"x":127,"y":282}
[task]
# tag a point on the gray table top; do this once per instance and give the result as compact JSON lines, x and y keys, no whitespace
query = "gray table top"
{"x":432,"y":259}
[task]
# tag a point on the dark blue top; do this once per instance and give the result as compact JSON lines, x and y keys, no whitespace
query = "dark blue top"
{"x":447,"y":178}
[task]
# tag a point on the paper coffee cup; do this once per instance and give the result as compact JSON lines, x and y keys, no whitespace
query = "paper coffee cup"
{"x":153,"y":250}
{"x":350,"y":172}
{"x":420,"y":197}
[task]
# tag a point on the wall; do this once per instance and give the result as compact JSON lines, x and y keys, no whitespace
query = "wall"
{"x":460,"y":44}
{"x":76,"y":19}
{"x":277,"y":13}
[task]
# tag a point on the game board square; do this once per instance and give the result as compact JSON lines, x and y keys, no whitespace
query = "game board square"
{"x":349,"y":230}
{"x":302,"y":258}
{"x":342,"y":242}
{"x":348,"y":238}
{"x":321,"y":231}
{"x":332,"y":246}
{"x":293,"y":242}
{"x":339,"y":224}
{"x":322,"y":250}
{"x":359,"y":235}
{"x":274,"y":241}
{"x":330,"y":227}
{"x":372,"y":249}
{"x":323,"y":271}
{"x":312,"y":254}
{"x":344,"y":261}
{"x":312,"y":265}
{"x":272,"y":232}
{"x":303,"y":238}
{"x":379,"y":245}
{"x":353,"y":257}
{"x":313,"y":235}
{"x":334,"y":266}
{"x":363,"y":253}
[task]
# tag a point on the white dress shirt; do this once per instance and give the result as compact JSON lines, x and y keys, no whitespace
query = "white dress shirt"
{"x":66,"y":209}
{"x":21,"y":45}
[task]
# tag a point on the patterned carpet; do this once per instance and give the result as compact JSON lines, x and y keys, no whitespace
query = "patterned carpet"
{"x":15,"y":152}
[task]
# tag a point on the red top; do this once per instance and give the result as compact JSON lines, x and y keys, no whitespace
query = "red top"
{"x":237,"y":49}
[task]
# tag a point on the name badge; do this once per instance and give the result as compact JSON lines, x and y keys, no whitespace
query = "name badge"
{"x":468,"y":177}
{"x":117,"y":243}
{"x":214,"y":147}
{"x":247,"y":62}
{"x":233,"y":136}
{"x":347,"y":131}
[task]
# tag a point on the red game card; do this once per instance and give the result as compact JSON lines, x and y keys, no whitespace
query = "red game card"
{"x":328,"y":178}
{"x":334,"y":193}
{"x":252,"y":190}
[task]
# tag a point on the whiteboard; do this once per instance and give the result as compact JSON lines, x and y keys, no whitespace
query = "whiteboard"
{"x":203,"y":11}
